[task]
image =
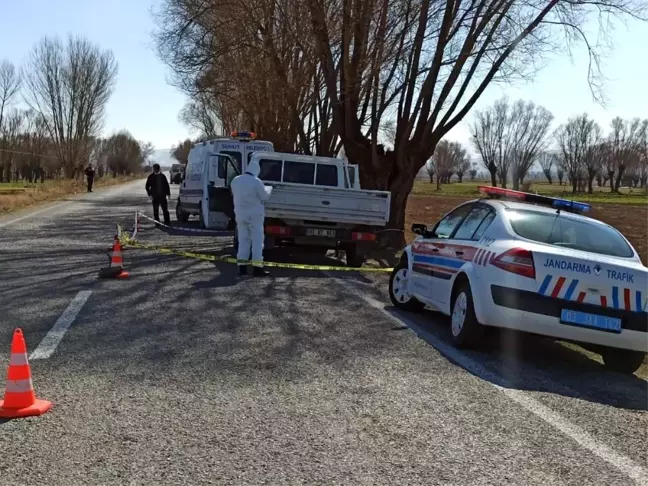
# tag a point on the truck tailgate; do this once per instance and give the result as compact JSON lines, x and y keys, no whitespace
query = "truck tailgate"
{"x":328,"y":204}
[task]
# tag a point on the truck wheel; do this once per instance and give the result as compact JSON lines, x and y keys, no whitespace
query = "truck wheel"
{"x":622,"y":360}
{"x":398,"y":293}
{"x":354,"y":257}
{"x":180,"y":214}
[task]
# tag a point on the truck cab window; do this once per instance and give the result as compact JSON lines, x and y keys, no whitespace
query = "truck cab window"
{"x":270,"y":170}
{"x":327,"y":175}
{"x":299,"y":172}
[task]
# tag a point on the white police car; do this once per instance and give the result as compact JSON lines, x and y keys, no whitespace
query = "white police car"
{"x":528,"y":262}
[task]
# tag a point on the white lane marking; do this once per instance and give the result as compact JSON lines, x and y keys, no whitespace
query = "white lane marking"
{"x":34,"y":213}
{"x":622,"y":463}
{"x":52,"y":339}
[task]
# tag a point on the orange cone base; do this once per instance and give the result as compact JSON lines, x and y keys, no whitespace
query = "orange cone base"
{"x":38,"y":408}
{"x":123,"y":274}
{"x":112,"y":272}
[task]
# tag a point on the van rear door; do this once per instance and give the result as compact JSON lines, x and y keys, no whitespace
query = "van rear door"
{"x":218,"y":204}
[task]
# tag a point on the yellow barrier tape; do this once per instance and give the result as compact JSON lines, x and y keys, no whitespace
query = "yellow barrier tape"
{"x":127,"y":240}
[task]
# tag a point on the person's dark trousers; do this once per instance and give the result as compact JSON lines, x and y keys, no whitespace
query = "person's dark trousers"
{"x":90,"y":182}
{"x":157,"y":202}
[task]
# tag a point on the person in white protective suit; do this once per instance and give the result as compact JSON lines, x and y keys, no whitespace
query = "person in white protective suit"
{"x":250,"y":194}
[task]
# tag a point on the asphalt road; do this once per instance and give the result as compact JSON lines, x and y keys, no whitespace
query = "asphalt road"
{"x":186,"y":374}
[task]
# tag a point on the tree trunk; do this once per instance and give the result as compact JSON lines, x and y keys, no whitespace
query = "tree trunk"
{"x":590,"y":184}
{"x":619,"y":176}
{"x":493,"y":174}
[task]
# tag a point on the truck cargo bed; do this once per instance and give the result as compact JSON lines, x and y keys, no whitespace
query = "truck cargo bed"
{"x":328,"y":204}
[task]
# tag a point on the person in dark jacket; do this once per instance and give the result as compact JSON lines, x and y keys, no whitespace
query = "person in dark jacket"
{"x":157,"y":187}
{"x":90,"y":173}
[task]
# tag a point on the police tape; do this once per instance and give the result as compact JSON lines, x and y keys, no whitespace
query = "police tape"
{"x":184,"y":228}
{"x":126,"y":240}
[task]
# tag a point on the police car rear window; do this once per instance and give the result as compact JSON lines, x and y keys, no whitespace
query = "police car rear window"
{"x":566,"y":232}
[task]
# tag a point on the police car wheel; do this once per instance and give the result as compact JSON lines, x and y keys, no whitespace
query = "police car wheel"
{"x":398,"y":293}
{"x":466,"y":331}
{"x":622,"y":360}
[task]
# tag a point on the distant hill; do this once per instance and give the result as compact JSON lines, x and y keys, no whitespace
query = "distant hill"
{"x":164,"y":158}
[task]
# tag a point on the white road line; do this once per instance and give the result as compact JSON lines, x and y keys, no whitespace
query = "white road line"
{"x":624,"y":464}
{"x":52,"y":339}
{"x":40,"y":211}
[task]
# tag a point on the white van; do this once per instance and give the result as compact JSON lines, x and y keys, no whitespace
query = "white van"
{"x":203,"y":179}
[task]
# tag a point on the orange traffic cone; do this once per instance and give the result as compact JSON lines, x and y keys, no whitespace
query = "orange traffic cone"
{"x":20,"y":399}
{"x":116,"y":268}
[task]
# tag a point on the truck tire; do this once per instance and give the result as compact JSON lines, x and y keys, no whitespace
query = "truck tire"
{"x":180,"y":214}
{"x":354,"y":257}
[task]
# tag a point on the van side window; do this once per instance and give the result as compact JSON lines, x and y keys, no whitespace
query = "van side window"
{"x":236,"y":156}
{"x":270,"y":170}
{"x":226,"y":170}
{"x":327,"y":175}
{"x":299,"y":172}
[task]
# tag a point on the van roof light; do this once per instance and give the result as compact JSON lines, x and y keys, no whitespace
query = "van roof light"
{"x":565,"y":204}
{"x":240,"y":134}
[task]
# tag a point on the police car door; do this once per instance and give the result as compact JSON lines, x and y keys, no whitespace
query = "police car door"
{"x":464,"y":245}
{"x":435,"y":258}
{"x":218,"y":204}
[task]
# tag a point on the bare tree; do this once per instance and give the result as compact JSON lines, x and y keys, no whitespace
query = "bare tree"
{"x":509,"y":138}
{"x":123,"y":154}
{"x":473,"y":172}
{"x":429,"y":167}
{"x":626,"y":140}
{"x":595,"y":157}
{"x":576,"y":140}
{"x":201,"y":115}
{"x":69,"y":85}
{"x":9,"y":87}
{"x":487,"y":134}
{"x":181,"y":151}
{"x":449,"y":158}
{"x":463,"y":164}
{"x":547,"y":160}
{"x":450,"y":54}
{"x":529,"y":130}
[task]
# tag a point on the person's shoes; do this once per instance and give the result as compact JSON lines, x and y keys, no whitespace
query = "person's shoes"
{"x":260,"y":272}
{"x":243,"y":270}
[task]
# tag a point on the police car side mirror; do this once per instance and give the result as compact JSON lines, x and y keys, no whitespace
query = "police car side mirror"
{"x":419,"y":229}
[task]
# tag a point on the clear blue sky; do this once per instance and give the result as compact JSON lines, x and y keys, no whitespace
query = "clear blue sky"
{"x":148,"y":107}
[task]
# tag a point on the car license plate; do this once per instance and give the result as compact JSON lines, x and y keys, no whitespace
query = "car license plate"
{"x":603,"y":323}
{"x":320,"y":232}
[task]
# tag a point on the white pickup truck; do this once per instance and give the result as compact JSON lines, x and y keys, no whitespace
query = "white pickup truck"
{"x":316,"y":202}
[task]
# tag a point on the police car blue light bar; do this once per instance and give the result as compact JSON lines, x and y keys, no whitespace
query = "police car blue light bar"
{"x":565,"y":204}
{"x":239,"y":134}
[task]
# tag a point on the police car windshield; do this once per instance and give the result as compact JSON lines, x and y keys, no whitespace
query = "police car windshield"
{"x":566,"y":232}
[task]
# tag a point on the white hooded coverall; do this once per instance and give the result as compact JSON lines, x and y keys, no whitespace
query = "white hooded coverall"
{"x":250,"y":194}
